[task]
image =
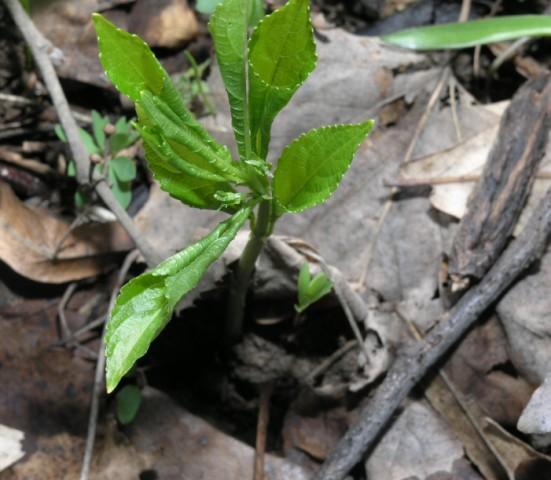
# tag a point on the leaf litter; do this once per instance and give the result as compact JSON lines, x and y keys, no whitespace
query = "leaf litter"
{"x":403,"y":271}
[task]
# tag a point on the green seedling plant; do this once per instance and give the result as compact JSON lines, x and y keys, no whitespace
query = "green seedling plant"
{"x":261,"y":72}
{"x":128,"y":400}
{"x":191,"y":86}
{"x":472,"y":33}
{"x":105,"y":147}
{"x":310,"y":290}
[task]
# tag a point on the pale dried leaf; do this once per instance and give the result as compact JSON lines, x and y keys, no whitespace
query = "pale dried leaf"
{"x":417,"y":445}
{"x":11,"y":446}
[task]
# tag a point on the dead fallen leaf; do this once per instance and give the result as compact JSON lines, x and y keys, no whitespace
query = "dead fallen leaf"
{"x":521,"y":460}
{"x":164,"y":23}
{"x":536,"y":416}
{"x":524,"y":312}
{"x":417,"y":445}
{"x":314,"y":435}
{"x":171,"y":443}
{"x":11,"y":446}
{"x":452,"y":172}
{"x":41,"y":247}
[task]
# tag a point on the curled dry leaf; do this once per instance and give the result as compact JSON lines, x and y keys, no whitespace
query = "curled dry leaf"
{"x":521,"y":461}
{"x":42,"y":247}
{"x":453,"y":172}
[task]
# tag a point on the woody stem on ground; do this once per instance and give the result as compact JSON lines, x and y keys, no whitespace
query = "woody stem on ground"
{"x":240,"y":282}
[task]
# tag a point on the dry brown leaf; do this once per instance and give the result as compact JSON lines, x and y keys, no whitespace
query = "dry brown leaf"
{"x":524,"y":312}
{"x":175,"y":444}
{"x":521,"y":460}
{"x":30,"y":237}
{"x":418,"y":444}
{"x":464,"y":163}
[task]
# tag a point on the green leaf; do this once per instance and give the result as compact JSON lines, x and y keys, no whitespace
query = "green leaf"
{"x":129,"y":399}
{"x":121,"y":190}
{"x":89,"y":144}
{"x":145,"y":304}
{"x":170,"y":128}
{"x":98,"y":124}
{"x":127,"y":60}
{"x":256,"y":9}
{"x":311,"y":167}
{"x":311,"y":290}
{"x":118,"y":142}
{"x":228,"y":27}
{"x":472,"y":33}
{"x":282,"y":54}
{"x":124,"y":168}
{"x":60,"y":133}
{"x":192,"y":190}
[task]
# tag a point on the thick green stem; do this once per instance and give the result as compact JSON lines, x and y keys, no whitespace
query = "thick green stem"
{"x":245,"y":267}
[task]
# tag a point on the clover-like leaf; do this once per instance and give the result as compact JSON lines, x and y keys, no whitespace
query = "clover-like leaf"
{"x":282,"y":54}
{"x":145,"y":304}
{"x":311,"y":290}
{"x":312,"y":166}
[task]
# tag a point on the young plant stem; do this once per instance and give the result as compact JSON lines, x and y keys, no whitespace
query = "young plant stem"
{"x":245,"y":267}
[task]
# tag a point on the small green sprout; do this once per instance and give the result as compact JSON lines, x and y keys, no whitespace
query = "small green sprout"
{"x":261,"y":71}
{"x":128,"y":399}
{"x":310,"y":290}
{"x":105,"y":146}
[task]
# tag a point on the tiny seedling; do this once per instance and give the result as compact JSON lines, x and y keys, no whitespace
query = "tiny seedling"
{"x":472,"y":33}
{"x":191,"y":86}
{"x":261,"y":72}
{"x":310,"y":290}
{"x":105,"y":146}
{"x":128,"y":400}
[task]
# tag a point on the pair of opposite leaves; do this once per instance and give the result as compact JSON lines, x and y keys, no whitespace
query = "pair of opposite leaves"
{"x":261,"y":74}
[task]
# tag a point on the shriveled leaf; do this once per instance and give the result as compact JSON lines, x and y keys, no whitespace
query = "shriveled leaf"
{"x":145,"y":304}
{"x":129,"y":399}
{"x":472,"y":33}
{"x":282,"y":54}
{"x":311,"y":167}
{"x":228,"y":26}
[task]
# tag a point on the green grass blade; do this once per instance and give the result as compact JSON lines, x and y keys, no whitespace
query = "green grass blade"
{"x":470,"y":34}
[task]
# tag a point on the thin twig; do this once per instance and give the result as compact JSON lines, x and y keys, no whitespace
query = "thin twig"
{"x":412,"y":365}
{"x":262,"y":430}
{"x":99,"y":375}
{"x":330,"y":360}
{"x":41,"y":48}
{"x":65,"y":330}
